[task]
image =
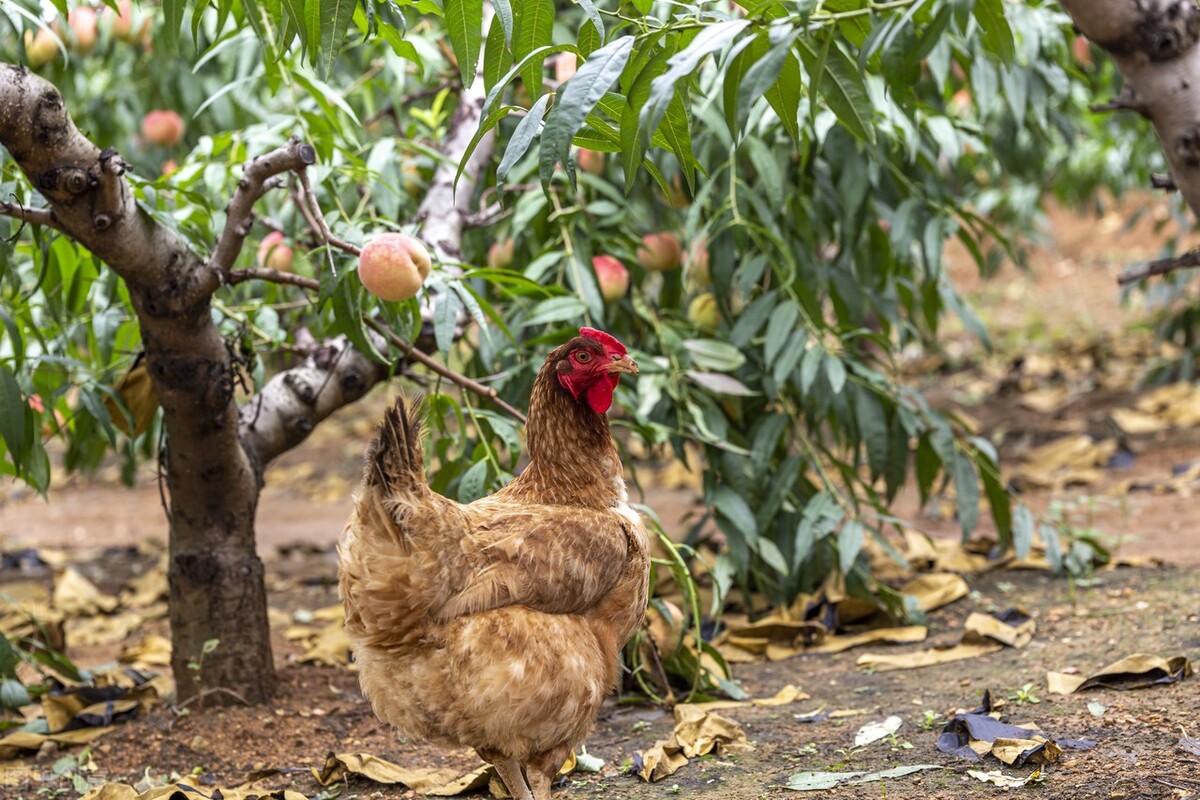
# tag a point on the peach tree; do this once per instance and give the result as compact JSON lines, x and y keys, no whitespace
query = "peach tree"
{"x":755,"y":197}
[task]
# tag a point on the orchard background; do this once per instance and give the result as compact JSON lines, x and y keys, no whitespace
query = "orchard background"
{"x":784,"y":209}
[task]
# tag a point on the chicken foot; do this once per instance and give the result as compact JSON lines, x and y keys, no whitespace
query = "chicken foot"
{"x":509,"y":770}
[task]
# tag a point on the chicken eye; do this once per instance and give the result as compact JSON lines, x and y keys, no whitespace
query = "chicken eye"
{"x":582,"y":357}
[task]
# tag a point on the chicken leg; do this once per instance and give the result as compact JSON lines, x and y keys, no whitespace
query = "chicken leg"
{"x":539,"y":782}
{"x":509,"y":770}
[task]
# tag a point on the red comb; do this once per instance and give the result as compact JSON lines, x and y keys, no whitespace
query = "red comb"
{"x":610,"y":342}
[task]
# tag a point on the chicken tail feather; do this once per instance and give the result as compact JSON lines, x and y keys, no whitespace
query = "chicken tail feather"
{"x":395,"y":458}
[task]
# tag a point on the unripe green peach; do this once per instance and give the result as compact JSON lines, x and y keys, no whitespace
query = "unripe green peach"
{"x":703,"y":312}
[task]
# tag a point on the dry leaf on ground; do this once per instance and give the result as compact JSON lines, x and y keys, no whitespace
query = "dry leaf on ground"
{"x":697,"y":733}
{"x":1137,"y":671}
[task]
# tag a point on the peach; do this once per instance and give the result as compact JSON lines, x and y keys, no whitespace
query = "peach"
{"x":82,"y":20}
{"x":163,"y":127}
{"x":703,"y":312}
{"x":612,"y":277}
{"x":500,"y":254}
{"x":274,"y":254}
{"x":393,"y":266}
{"x":590,"y":161}
{"x":660,"y":252}
{"x":128,"y":28}
{"x":40,"y":48}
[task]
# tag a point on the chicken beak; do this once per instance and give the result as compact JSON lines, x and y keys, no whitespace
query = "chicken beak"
{"x":622,"y":366}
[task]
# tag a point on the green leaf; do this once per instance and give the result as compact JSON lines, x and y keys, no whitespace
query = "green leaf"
{"x":13,"y":410}
{"x":473,"y":484}
{"x":491,"y":121}
{"x":293,"y":15}
{"x":998,"y":499}
{"x":593,"y":14}
{"x":835,"y":373}
{"x":850,"y":541}
{"x":783,"y":321}
{"x":761,"y":76}
{"x":711,"y":354}
{"x":8,"y":658}
{"x":496,"y":56}
{"x":575,"y":101}
{"x":711,"y":39}
{"x":335,"y":19}
{"x":527,"y":130}
{"x":839,"y":81}
{"x":464,"y":24}
{"x":533,"y":29}
{"x":872,"y":427}
{"x":504,"y":13}
{"x":966,"y":489}
{"x":13,"y":694}
{"x":557,"y":309}
{"x":445,"y":319}
{"x":733,"y":507}
{"x":1022,"y":531}
{"x":769,"y":552}
{"x":347,"y":314}
{"x":172,"y":21}
{"x":633,"y":145}
{"x":997,"y":35}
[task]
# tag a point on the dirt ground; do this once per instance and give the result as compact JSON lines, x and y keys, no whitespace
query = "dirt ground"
{"x":1069,"y":297}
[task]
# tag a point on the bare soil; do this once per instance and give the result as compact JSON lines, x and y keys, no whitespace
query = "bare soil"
{"x":1069,"y":295}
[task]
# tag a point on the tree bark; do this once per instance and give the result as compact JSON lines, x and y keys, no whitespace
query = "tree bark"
{"x":1153,"y":43}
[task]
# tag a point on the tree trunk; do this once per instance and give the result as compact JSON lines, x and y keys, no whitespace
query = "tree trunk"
{"x":1153,"y":43}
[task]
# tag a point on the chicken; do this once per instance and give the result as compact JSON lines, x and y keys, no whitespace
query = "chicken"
{"x":498,"y":625}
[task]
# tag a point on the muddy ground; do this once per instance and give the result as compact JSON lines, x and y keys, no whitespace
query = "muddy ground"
{"x":1069,"y":297}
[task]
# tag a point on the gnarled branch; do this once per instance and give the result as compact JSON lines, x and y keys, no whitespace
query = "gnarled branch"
{"x":1189,"y":260}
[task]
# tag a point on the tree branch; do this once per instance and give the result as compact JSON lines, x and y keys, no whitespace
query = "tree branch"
{"x":1162,"y":181}
{"x":236,"y":276}
{"x":294,"y":401}
{"x":256,"y":180}
{"x":34,"y":216}
{"x":447,"y":373}
{"x":1189,"y":260}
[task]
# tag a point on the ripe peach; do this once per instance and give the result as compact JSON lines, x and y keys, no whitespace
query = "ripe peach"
{"x":1081,"y":48}
{"x":500,"y":254}
{"x":564,"y":67}
{"x":612,"y":277}
{"x":82,"y":20}
{"x":590,"y":161}
{"x":961,"y":102}
{"x":40,"y":48}
{"x":393,"y":266}
{"x":274,"y":254}
{"x":163,"y":127}
{"x":128,"y":28}
{"x":660,"y":252}
{"x":703,"y":312}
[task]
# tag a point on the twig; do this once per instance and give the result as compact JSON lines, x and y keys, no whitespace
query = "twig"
{"x":34,"y":216}
{"x":1189,"y":260}
{"x":318,"y":219}
{"x":462,"y":380}
{"x":256,"y":180}
{"x":273,"y":276}
{"x":203,"y":693}
{"x":1125,"y":101}
{"x":1159,"y":180}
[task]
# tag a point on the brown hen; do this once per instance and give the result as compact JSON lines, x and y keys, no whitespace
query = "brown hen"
{"x":499,"y":624}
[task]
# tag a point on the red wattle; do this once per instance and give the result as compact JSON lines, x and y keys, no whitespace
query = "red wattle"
{"x":600,"y":393}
